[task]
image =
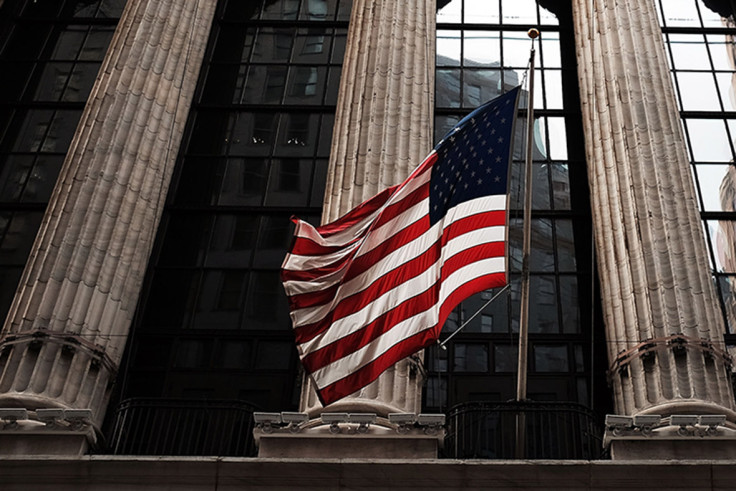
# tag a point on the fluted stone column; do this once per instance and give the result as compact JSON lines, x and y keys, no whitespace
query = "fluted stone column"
{"x":664,"y":329}
{"x":69,"y":321}
{"x":383,"y":129}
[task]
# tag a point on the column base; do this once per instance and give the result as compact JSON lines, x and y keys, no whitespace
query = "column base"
{"x":672,"y":444}
{"x":38,"y":439}
{"x":375,"y":442}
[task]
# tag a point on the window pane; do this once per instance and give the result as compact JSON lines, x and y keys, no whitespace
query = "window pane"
{"x":436,"y":391}
{"x":234,"y":43}
{"x":14,"y":173}
{"x":17,"y":233}
{"x":96,"y":43}
{"x":232,"y":242}
{"x":557,"y":138}
{"x":452,"y":11}
{"x":448,"y":87}
{"x":272,"y":355}
{"x":723,"y":235}
{"x":265,"y":85}
{"x":480,"y":86}
{"x":552,"y":89}
{"x":69,"y":43}
{"x":717,"y":183}
{"x":298,"y":135}
{"x":272,"y":45}
{"x":680,"y":13}
{"x":550,"y":46}
{"x":720,"y":47}
{"x":80,"y":83}
{"x":266,"y":289}
{"x":306,"y":85}
{"x":234,"y":354}
{"x":470,"y":357}
{"x":196,"y":228}
{"x":318,"y":10}
{"x":506,"y":358}
{"x":53,"y":80}
{"x":244,"y":182}
{"x":61,"y":130}
{"x":170,"y":290}
{"x":565,"y":241}
{"x":543,"y":258}
{"x":725,"y":83}
{"x":289,"y":182}
{"x":153,"y":353}
{"x":550,"y":358}
{"x":479,"y":12}
{"x":516,"y":48}
{"x":708,"y":140}
{"x":32,"y":130}
{"x":560,"y":186}
{"x":689,"y":52}
{"x":220,"y":298}
{"x":312,"y":46}
{"x":193,"y":353}
{"x":280,"y":10}
{"x":569,"y":296}
{"x":273,"y":240}
{"x":9,"y":279}
{"x":448,"y":48}
{"x":519,"y":12}
{"x":254,"y":134}
{"x":543,"y":310}
{"x":698,"y":91}
{"x":728,"y":294}
{"x":482,"y":48}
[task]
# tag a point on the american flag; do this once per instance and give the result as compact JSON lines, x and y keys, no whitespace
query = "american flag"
{"x":377,"y":284}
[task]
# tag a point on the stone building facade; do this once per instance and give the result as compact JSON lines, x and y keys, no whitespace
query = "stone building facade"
{"x":208,"y":123}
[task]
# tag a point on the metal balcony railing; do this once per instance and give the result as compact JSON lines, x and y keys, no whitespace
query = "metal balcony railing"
{"x":182,"y":427}
{"x":549,"y":430}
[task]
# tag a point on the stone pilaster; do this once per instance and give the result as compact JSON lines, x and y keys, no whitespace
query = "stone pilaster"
{"x":69,"y":321}
{"x":383,"y":129}
{"x":663,"y":326}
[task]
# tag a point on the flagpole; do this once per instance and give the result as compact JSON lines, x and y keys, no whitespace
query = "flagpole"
{"x":527,"y":245}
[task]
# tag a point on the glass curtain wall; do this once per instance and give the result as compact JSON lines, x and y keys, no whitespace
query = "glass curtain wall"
{"x":699,"y":38}
{"x":482,"y":51}
{"x":213,"y":319}
{"x":50,"y":53}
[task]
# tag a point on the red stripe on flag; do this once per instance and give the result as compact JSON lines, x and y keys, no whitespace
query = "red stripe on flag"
{"x":370,"y":372}
{"x":472,"y":287}
{"x":304,"y":246}
{"x":353,"y":342}
{"x":356,"y":214}
{"x":313,"y":299}
{"x":364,"y":262}
{"x":314,"y":273}
{"x":472,"y":223}
{"x":395,"y":209}
{"x":471,"y":255}
{"x":361,"y":299}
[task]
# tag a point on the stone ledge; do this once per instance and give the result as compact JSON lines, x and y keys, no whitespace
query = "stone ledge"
{"x":376,"y":442}
{"x":210,"y":473}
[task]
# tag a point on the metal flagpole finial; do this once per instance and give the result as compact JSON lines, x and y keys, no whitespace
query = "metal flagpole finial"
{"x":533,"y":33}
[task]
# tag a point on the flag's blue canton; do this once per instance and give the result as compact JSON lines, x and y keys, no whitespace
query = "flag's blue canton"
{"x":473,"y":159}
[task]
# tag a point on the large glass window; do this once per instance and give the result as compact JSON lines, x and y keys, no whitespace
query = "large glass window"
{"x":50,"y":53}
{"x":255,"y":153}
{"x":699,"y":37}
{"x":482,"y":51}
